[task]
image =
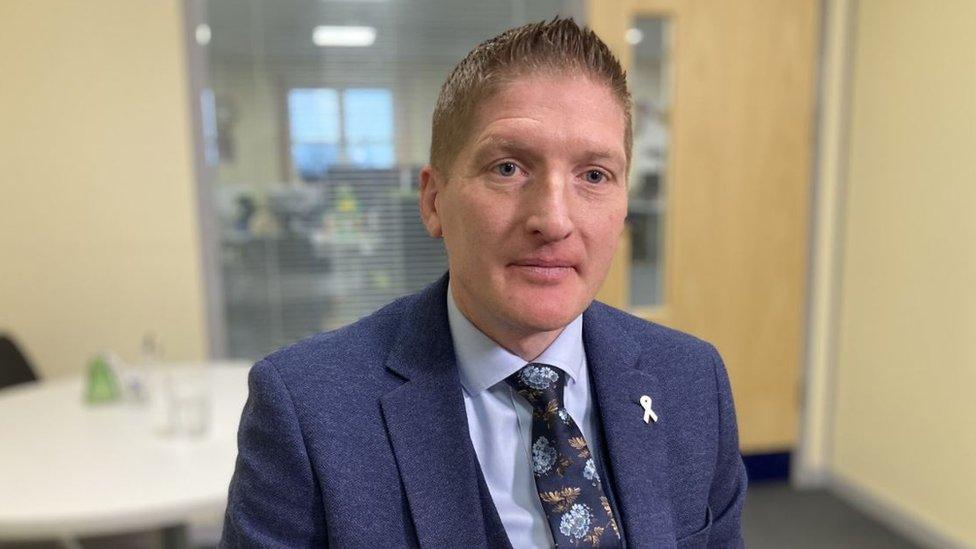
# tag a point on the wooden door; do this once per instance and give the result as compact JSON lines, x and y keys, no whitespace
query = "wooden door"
{"x":737,"y":203}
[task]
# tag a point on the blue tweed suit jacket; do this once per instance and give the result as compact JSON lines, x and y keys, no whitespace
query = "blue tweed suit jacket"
{"x":358,"y":438}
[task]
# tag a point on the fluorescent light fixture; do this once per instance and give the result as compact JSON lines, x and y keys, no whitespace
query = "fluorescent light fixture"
{"x":348,"y":37}
{"x":634,"y":36}
{"x":203,"y":34}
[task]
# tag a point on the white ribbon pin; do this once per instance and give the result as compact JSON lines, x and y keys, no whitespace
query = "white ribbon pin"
{"x":649,"y":414}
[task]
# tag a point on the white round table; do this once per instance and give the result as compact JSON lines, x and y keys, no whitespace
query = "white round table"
{"x":69,"y":470}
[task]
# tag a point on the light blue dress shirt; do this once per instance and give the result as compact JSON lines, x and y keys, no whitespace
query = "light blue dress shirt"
{"x":500,"y":423}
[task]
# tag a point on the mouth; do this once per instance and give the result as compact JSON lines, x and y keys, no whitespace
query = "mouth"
{"x":544,"y":270}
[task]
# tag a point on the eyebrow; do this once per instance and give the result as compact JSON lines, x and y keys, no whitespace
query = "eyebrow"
{"x":495,"y":143}
{"x":602,"y":154}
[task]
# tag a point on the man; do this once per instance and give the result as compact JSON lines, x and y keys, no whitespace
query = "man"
{"x":501,"y":406}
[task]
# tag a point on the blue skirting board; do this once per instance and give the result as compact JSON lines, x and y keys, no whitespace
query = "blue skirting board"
{"x":768,"y":467}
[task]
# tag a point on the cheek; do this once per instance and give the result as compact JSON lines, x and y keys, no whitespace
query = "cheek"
{"x":481,"y":221}
{"x":604,"y":230}
{"x":473,"y":232}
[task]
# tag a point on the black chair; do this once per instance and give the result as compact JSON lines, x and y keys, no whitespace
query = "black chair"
{"x":14,"y":367}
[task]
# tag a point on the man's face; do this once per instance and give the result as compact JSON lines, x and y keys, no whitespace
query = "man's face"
{"x":534,"y":205}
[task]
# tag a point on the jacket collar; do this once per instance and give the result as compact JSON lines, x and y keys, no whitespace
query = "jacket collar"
{"x":427,"y":426}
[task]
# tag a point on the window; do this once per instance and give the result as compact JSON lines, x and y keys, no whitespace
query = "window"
{"x":351,"y":128}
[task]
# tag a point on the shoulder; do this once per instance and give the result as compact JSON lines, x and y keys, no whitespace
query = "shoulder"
{"x":655,"y":339}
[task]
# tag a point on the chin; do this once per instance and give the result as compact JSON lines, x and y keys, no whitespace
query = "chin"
{"x":544,"y":315}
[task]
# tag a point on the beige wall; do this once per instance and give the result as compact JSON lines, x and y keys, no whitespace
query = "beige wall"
{"x":904,"y":418}
{"x":98,"y":231}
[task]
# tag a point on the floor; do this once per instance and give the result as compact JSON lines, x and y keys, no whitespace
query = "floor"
{"x":778,"y":517}
{"x":775,"y":517}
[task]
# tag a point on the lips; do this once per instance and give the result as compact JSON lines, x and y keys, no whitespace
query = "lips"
{"x":544,"y":270}
{"x":544,"y":263}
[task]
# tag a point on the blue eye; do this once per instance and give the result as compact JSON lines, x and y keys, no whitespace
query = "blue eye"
{"x":506,"y":169}
{"x":595,"y":176}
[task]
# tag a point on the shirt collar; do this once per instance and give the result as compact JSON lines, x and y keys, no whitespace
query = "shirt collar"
{"x":483,"y":363}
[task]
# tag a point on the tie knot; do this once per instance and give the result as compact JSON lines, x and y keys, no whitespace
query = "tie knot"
{"x":539,"y":384}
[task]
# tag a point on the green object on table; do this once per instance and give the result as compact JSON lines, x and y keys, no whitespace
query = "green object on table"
{"x":102,"y":386}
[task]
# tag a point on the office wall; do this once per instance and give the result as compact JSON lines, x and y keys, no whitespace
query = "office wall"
{"x":98,"y":229}
{"x":904,"y":417}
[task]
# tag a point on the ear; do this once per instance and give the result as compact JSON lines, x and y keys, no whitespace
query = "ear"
{"x":430,"y":184}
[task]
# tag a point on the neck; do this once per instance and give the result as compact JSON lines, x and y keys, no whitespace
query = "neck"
{"x":528,"y":348}
{"x":526,"y":344}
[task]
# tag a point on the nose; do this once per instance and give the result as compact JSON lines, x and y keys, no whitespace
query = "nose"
{"x":548,"y":202}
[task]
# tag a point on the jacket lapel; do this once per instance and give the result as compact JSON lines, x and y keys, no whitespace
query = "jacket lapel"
{"x":427,"y":426}
{"x":637,"y":450}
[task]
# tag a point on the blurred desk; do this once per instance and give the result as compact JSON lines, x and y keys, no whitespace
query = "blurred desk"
{"x":69,"y":470}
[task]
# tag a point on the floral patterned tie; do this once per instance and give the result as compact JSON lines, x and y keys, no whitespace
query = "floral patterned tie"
{"x":566,"y":477}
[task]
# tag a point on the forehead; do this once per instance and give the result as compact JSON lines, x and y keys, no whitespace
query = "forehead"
{"x":558,"y":112}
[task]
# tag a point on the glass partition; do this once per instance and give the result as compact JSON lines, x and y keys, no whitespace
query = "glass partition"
{"x":316,"y":122}
{"x":649,"y":80}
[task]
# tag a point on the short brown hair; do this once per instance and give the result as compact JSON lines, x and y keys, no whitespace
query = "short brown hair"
{"x":558,"y":46}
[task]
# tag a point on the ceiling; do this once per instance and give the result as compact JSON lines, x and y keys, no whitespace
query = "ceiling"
{"x":282,"y":29}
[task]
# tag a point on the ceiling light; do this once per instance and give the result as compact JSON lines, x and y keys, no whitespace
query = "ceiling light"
{"x":634,"y":36}
{"x":203,"y":34}
{"x":344,"y":36}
